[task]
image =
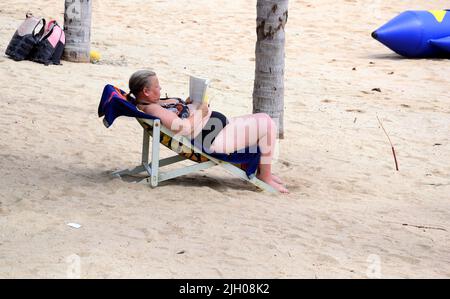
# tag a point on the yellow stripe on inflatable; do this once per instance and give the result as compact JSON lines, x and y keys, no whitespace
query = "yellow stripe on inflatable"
{"x":438,"y":14}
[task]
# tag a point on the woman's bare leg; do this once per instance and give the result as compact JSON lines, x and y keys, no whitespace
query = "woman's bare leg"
{"x":242,"y":132}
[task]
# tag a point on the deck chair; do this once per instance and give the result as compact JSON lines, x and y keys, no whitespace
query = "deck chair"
{"x":243,"y":164}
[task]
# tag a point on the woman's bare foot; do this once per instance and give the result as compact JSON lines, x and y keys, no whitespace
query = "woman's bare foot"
{"x":279,"y":187}
{"x":277,"y":179}
{"x":270,"y":181}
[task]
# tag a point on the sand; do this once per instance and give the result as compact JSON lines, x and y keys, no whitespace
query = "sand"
{"x":349,"y":214}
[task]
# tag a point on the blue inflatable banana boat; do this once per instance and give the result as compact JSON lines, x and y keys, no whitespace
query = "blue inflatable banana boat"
{"x":417,"y":34}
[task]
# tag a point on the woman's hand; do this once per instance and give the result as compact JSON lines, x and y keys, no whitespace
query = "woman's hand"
{"x":204,"y":108}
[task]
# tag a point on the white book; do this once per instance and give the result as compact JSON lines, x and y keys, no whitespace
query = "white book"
{"x":198,"y":89}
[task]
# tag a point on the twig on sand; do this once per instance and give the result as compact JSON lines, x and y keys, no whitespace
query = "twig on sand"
{"x":392,"y":146}
{"x":419,"y":226}
{"x":425,"y":227}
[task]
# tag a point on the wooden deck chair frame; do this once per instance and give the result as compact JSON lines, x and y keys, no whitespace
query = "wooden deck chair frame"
{"x":152,"y":168}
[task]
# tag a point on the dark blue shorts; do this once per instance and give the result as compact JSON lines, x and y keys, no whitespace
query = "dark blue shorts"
{"x":212,"y":128}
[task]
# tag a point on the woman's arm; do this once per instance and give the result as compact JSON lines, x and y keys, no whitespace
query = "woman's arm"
{"x":169,"y":101}
{"x":177,"y":125}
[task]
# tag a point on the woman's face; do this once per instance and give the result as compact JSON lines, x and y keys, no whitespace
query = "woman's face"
{"x":154,"y":93}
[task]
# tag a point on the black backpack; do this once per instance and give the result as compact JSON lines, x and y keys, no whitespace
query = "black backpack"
{"x":51,"y":45}
{"x":26,"y":38}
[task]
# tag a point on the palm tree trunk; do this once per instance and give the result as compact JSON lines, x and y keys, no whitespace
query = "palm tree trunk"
{"x":268,"y":90}
{"x":77,"y":26}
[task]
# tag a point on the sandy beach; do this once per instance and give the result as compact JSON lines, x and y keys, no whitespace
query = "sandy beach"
{"x":350,"y":214}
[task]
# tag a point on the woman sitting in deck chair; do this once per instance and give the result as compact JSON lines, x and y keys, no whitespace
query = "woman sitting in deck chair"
{"x":211,"y":130}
